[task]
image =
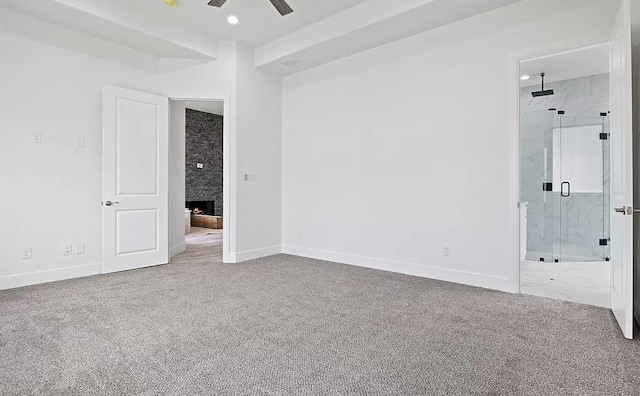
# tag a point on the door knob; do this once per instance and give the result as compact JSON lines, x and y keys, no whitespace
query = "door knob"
{"x":627,"y":210}
{"x":109,"y":203}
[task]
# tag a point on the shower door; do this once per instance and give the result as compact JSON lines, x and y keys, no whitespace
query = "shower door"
{"x":580,"y":188}
{"x":536,"y":130}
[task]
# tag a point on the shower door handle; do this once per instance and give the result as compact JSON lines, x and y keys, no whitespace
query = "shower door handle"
{"x":562,"y":192}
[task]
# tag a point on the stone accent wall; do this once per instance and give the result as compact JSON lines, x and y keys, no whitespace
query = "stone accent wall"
{"x":204,"y":145}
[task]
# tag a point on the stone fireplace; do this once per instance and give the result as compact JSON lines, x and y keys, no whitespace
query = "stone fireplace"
{"x":201,"y":207}
{"x":202,"y":214}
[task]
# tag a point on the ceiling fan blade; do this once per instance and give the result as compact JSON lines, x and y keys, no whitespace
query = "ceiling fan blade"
{"x":282,"y":7}
{"x":217,"y":3}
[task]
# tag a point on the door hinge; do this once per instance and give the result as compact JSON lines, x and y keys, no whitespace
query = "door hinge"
{"x":604,"y":242}
{"x":546,"y":186}
{"x":604,"y":136}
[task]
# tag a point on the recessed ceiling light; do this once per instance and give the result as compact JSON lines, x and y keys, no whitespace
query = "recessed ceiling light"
{"x":525,"y":77}
{"x":233,"y":19}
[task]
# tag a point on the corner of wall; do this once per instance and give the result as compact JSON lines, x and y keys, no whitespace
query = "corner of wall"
{"x":258,"y":151}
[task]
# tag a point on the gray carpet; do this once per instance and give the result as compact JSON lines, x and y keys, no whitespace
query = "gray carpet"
{"x":285,"y":325}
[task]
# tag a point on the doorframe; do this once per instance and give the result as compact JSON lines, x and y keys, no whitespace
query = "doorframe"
{"x":513,"y":220}
{"x":229,"y":186}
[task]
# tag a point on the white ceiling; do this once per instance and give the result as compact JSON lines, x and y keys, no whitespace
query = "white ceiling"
{"x":259,"y":21}
{"x":365,"y":26}
{"x":211,"y":107}
{"x":317,"y":32}
{"x":121,"y":22}
{"x":568,"y":65}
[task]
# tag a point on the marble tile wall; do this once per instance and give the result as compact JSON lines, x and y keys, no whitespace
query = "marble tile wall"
{"x":563,"y":228}
{"x":204,"y":145}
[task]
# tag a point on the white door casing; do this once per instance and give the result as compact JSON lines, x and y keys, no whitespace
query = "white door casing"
{"x":134,"y":179}
{"x":622,"y":171}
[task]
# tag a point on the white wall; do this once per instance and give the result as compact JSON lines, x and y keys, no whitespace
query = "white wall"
{"x":50,"y":193}
{"x":391,"y":154}
{"x":177,"y":131}
{"x":259,"y":145}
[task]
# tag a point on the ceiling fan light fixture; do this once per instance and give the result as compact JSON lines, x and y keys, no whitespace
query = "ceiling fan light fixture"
{"x":280,"y":5}
{"x":233,"y":20}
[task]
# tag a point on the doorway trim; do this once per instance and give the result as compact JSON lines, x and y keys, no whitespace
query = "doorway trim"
{"x":229,"y":187}
{"x":513,"y":220}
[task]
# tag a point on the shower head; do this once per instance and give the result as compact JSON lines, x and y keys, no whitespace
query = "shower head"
{"x":542,"y":91}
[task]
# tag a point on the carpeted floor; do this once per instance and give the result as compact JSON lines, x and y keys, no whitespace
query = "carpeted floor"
{"x":286,"y":325}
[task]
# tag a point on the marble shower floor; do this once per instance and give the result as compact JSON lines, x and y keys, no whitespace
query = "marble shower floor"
{"x":581,"y":282}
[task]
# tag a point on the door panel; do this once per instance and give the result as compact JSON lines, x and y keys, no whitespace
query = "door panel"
{"x":136,"y":231}
{"x":137,"y":150}
{"x":135,"y":183}
{"x":622,"y":171}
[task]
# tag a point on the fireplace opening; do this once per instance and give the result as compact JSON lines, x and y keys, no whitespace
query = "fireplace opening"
{"x":201,"y":207}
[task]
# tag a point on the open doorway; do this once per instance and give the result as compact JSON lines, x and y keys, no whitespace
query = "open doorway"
{"x":198,"y":204}
{"x":204,"y":122}
{"x":564,"y":176}
{"x":614,"y":117}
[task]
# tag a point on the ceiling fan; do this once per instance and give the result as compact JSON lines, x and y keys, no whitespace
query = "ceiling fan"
{"x":281,"y":5}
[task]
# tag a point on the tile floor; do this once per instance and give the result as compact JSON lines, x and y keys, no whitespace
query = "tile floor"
{"x":581,"y":282}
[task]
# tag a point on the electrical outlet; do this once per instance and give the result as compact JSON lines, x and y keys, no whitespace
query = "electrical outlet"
{"x":67,"y":250}
{"x":81,"y":142}
{"x":37,"y":137}
{"x":200,"y":166}
{"x":446,"y":250}
{"x":25,"y":254}
{"x":80,"y":248}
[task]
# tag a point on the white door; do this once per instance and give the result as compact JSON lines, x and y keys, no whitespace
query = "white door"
{"x":622,"y":172}
{"x":135,"y":139}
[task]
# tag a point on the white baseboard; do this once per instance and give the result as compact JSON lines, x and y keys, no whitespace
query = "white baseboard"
{"x":54,"y":275}
{"x":424,"y":271}
{"x":254,"y":254}
{"x":177,"y":249}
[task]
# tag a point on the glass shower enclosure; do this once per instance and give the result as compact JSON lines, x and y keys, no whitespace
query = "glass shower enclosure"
{"x":565,"y":181}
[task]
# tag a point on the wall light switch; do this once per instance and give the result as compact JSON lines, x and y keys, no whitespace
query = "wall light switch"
{"x":446,"y":250}
{"x":81,"y":142}
{"x":37,"y":137}
{"x":200,"y":166}
{"x":67,"y":250}
{"x":80,"y":248}
{"x":25,"y":254}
